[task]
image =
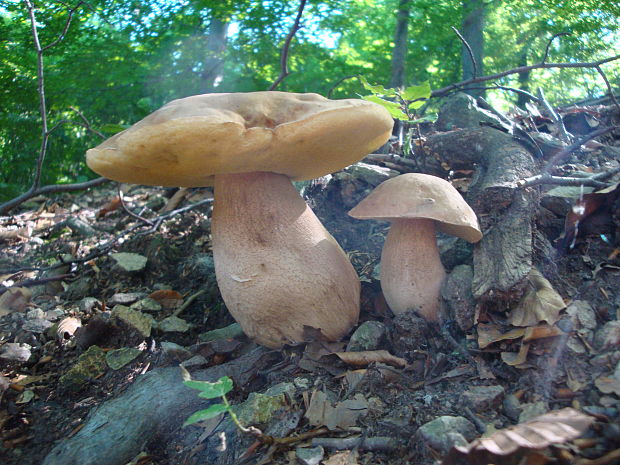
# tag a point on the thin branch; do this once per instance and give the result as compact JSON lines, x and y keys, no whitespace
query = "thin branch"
{"x":546,"y":178}
{"x":338,"y":82}
{"x":61,"y":36}
{"x":560,"y":34}
{"x":564,"y":153}
{"x":53,"y":188}
{"x":520,"y":69}
{"x":287,"y":44}
{"x":469,"y":50}
{"x":609,"y":88}
{"x":121,"y":196}
{"x":564,"y":135}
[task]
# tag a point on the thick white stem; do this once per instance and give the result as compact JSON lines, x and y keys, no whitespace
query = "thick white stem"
{"x":277,"y":267}
{"x":411,"y":270}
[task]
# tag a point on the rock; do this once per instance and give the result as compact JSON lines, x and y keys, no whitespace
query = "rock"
{"x":173,"y":324}
{"x":16,"y":352}
{"x":117,"y":359}
{"x":125,"y":298}
{"x":87,"y":304}
{"x":175,"y":351}
{"x":54,"y":315}
{"x":35,"y":313}
{"x":197,"y":361}
{"x":370,"y":174}
{"x":309,"y":455}
{"x":462,"y":111}
{"x":482,"y":398}
{"x":368,"y":336}
{"x":227,"y":332}
{"x":444,"y":432}
{"x":37,"y":325}
{"x":79,"y":227}
{"x":532,"y":410}
{"x":79,"y":288}
{"x":132,"y":320}
{"x":512,"y":407}
{"x":129,"y":262}
{"x":89,"y":366}
{"x":456,"y":291}
{"x":454,"y":251}
{"x":608,"y":337}
{"x":258,"y":409}
{"x":146,"y":305}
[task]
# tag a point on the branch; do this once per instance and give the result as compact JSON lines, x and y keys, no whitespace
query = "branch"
{"x":520,"y":69}
{"x":560,"y":34}
{"x":287,"y":44}
{"x":469,"y":50}
{"x":61,"y":36}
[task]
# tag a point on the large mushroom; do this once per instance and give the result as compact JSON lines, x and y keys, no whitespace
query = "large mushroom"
{"x":277,"y":267}
{"x":416,"y":205}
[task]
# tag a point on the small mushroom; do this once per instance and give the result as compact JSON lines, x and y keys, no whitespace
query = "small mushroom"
{"x":416,"y":204}
{"x":277,"y":267}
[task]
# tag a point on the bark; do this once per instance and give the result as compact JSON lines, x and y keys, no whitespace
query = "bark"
{"x":214,"y":55}
{"x":472,"y":29}
{"x":399,"y":54}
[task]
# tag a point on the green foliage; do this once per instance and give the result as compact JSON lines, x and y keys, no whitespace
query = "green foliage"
{"x":211,"y":391}
{"x":406,"y":101}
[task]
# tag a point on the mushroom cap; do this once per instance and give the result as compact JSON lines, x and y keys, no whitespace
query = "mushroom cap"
{"x":189,"y":140}
{"x":416,"y":195}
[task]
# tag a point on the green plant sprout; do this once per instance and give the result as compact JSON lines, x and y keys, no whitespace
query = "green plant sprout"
{"x":214,"y":390}
{"x":403,"y":105}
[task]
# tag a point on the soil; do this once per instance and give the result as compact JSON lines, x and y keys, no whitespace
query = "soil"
{"x":444,"y":363}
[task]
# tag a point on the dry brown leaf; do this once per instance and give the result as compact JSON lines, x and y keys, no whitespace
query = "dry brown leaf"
{"x":168,"y":299}
{"x":488,"y":334}
{"x":365,"y":358}
{"x":321,"y":412}
{"x":552,"y":428}
{"x":346,"y":457}
{"x":540,"y":303}
{"x":608,"y":385}
{"x":516,"y":358}
{"x":541,"y":332}
{"x":14,"y":299}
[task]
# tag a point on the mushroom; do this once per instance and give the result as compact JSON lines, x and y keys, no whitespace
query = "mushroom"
{"x":277,"y":267}
{"x":416,"y":204}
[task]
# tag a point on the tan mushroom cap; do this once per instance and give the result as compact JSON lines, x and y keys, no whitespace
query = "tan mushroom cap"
{"x":188,"y":141}
{"x":416,"y":195}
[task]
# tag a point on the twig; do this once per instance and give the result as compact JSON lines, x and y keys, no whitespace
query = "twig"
{"x":560,"y":34}
{"x":121,"y":197}
{"x":518,"y":70}
{"x":52,"y":188}
{"x":37,"y":282}
{"x":338,"y":82}
{"x":287,"y":44}
{"x":564,"y":153}
{"x":61,"y":36}
{"x":564,"y":136}
{"x":546,"y":178}
{"x":469,"y":50}
{"x":609,"y":88}
{"x":188,"y":302}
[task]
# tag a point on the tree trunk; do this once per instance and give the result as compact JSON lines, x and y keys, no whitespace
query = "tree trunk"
{"x":472,"y":29}
{"x":214,"y":60}
{"x":399,"y":55}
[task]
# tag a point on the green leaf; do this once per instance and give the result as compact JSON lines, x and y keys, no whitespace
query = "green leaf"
{"x":206,"y":414}
{"x":423,"y":91}
{"x":111,"y":128}
{"x":425,"y":119}
{"x":392,"y":107}
{"x":377,"y":89}
{"x":211,"y":390}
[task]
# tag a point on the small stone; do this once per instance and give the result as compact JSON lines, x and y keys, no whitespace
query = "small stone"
{"x":175,"y":351}
{"x":79,"y":288}
{"x":125,"y":298}
{"x":16,"y":352}
{"x":87,"y":304}
{"x":482,"y":398}
{"x":146,"y":305}
{"x":368,"y":336}
{"x":35,"y":313}
{"x":512,"y":407}
{"x":196,"y":361}
{"x":129,"y":262}
{"x":309,"y":455}
{"x":90,"y":365}
{"x":38,"y":325}
{"x":133,"y":319}
{"x":532,"y":410}
{"x":118,"y":358}
{"x":54,"y":315}
{"x":173,"y":324}
{"x":228,"y":332}
{"x":444,"y":432}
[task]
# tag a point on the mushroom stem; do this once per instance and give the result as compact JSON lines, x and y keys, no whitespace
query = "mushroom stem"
{"x":277,"y":267}
{"x":411,"y":270}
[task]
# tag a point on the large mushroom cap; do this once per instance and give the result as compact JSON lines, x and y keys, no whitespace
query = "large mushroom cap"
{"x":416,"y":195}
{"x":189,"y":140}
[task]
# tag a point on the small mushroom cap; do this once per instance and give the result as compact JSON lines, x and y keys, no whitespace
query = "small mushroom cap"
{"x":416,"y":195}
{"x":188,"y":141}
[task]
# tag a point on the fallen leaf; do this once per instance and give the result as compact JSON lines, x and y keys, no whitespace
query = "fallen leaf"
{"x":489,"y":334}
{"x":551,"y":428}
{"x":342,"y":415}
{"x":365,"y":358}
{"x":14,"y":299}
{"x":516,"y":358}
{"x":168,"y":299}
{"x":541,"y":332}
{"x":608,"y":385}
{"x":540,"y":303}
{"x":346,"y":457}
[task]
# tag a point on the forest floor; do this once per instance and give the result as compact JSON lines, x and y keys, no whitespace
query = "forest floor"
{"x":416,"y":391}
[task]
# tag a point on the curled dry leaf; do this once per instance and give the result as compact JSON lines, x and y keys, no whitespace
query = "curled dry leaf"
{"x":490,"y":333}
{"x":168,"y":299}
{"x":552,"y":428}
{"x":67,"y":328}
{"x":365,"y":358}
{"x":14,"y":299}
{"x":540,"y":303}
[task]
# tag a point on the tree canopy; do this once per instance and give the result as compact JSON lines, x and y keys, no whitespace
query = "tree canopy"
{"x":118,"y":60}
